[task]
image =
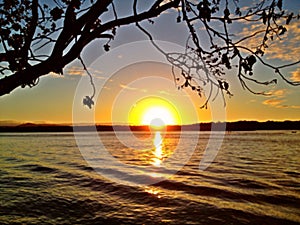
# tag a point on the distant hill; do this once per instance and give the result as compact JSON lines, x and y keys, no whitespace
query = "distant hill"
{"x":230,"y":126}
{"x":9,"y":123}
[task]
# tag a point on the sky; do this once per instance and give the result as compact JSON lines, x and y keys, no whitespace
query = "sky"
{"x":134,"y":83}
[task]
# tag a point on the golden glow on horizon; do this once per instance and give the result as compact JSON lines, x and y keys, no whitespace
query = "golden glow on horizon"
{"x":155,"y":112}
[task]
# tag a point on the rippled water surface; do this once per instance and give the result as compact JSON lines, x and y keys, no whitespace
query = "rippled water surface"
{"x":255,"y":179}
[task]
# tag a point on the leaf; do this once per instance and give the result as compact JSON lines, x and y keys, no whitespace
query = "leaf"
{"x":226,"y":14}
{"x":88,"y":101}
{"x":186,"y":84}
{"x":259,"y":52}
{"x":235,"y":52}
{"x":225,"y":61}
{"x":279,"y":4}
{"x":251,"y":60}
{"x":238,"y":12}
{"x":76,"y":4}
{"x":204,"y":10}
{"x":281,"y":30}
{"x":220,"y":84}
{"x":114,"y":31}
{"x":56,"y":13}
{"x":288,"y":20}
{"x":106,"y":47}
{"x":225,"y":85}
{"x":16,"y":27}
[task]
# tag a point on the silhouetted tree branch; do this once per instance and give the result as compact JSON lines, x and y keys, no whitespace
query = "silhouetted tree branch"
{"x":40,"y":39}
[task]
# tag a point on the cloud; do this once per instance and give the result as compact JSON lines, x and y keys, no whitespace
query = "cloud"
{"x":286,"y":48}
{"x":75,"y":71}
{"x":277,"y":103}
{"x":276,"y":99}
{"x":164,"y":92}
{"x":295,"y":106}
{"x":277,"y":93}
{"x":55,"y":75}
{"x":296,"y":75}
{"x":133,"y":89}
{"x":273,"y":102}
{"x":127,"y":87}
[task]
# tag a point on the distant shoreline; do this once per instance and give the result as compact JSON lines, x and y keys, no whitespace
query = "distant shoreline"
{"x":230,"y":126}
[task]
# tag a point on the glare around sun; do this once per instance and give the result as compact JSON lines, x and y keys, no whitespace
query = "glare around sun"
{"x":154,"y":111}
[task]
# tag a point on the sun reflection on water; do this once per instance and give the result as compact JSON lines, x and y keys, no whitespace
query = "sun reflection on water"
{"x":158,"y":151}
{"x":153,"y":192}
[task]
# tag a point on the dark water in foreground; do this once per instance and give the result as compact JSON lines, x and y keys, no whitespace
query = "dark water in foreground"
{"x":255,"y":179}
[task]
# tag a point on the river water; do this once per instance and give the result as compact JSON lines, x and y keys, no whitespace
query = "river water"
{"x":254,"y":179}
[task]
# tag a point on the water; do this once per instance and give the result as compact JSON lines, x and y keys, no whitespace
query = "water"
{"x":255,"y":179}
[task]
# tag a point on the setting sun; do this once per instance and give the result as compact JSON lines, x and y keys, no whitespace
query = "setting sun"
{"x":157,"y":116}
{"x":154,"y":111}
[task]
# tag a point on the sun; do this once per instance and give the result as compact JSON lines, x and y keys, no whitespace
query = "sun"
{"x":155,"y":112}
{"x":157,"y":116}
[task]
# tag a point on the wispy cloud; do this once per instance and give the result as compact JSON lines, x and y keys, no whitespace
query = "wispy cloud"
{"x":75,"y":71}
{"x":55,"y":75}
{"x":295,"y":106}
{"x":127,"y":87}
{"x":164,"y":93}
{"x":296,"y":75}
{"x":273,"y":102}
{"x":277,"y":100}
{"x":278,"y":93}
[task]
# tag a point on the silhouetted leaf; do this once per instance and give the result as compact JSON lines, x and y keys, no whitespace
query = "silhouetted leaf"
{"x":88,"y":101}
{"x":186,"y":84}
{"x":76,"y":4}
{"x":282,"y":30}
{"x":56,"y":13}
{"x":204,"y":10}
{"x":16,"y":27}
{"x":235,"y":52}
{"x":106,"y":47}
{"x":289,"y":18}
{"x":225,"y":61}
{"x":226,"y":14}
{"x":251,"y":60}
{"x":220,"y":84}
{"x":259,"y":52}
{"x":225,"y":85}
{"x":238,"y":12}
{"x":114,"y":31}
{"x":279,"y":4}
